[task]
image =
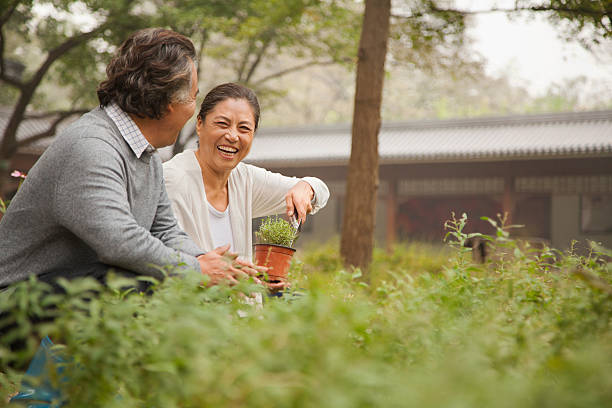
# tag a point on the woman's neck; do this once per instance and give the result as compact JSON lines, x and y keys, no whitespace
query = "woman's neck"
{"x":215,"y":184}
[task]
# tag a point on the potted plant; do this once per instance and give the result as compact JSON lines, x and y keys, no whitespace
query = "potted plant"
{"x":274,"y":248}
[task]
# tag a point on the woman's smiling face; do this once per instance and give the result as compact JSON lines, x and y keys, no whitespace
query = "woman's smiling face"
{"x":226,"y":134}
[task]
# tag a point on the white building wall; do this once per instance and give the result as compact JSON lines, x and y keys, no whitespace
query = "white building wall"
{"x":565,"y":223}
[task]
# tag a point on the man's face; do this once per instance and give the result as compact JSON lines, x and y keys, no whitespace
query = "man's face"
{"x":180,"y":112}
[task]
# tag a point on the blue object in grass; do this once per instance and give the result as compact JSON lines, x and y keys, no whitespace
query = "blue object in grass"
{"x":37,"y":390}
{"x":288,"y":295}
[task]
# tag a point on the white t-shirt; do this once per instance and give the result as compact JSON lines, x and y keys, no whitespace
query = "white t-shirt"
{"x":220,"y":227}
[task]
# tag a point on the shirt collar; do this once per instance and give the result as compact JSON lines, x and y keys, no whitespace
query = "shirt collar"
{"x":129,"y":130}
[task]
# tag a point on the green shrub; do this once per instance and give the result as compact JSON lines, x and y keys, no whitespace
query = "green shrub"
{"x":523,"y":329}
{"x":404,"y":258}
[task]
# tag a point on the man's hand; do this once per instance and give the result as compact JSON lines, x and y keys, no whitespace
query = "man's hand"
{"x":273,"y":286}
{"x":299,"y":199}
{"x":224,"y":267}
{"x":248,"y":267}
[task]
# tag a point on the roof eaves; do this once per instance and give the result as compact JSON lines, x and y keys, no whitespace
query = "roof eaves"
{"x":438,"y":158}
{"x":483,"y":121}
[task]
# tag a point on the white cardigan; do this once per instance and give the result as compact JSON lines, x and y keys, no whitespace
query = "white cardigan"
{"x":253,"y":192}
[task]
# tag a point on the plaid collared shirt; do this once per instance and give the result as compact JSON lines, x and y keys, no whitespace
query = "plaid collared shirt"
{"x":129,"y":130}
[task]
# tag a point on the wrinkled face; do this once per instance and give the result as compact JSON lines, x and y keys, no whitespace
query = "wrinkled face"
{"x":226,"y":134}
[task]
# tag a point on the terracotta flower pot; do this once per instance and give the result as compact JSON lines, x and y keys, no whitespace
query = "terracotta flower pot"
{"x":275,"y":257}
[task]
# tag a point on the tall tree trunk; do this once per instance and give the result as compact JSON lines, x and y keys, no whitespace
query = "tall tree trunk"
{"x":357,"y":241}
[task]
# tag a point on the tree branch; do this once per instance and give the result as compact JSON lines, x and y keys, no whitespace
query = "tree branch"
{"x":8,"y":13}
{"x":49,"y":114}
{"x":9,"y":140}
{"x":245,"y":59}
{"x":456,"y":11}
{"x":3,"y":19}
{"x":291,"y":69}
{"x":184,"y":137}
{"x":61,"y":49}
{"x":203,"y":41}
{"x":569,"y":10}
{"x":9,"y":80}
{"x":260,"y":54}
{"x":62,"y":115}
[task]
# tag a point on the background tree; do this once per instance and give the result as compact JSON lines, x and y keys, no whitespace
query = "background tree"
{"x":430,"y":38}
{"x":69,"y":54}
{"x":430,"y":27}
{"x":241,"y":35}
{"x":358,"y":224}
{"x":260,"y":41}
{"x":586,"y":21}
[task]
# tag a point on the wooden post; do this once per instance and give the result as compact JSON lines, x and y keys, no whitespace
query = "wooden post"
{"x":508,"y":199}
{"x":391,"y":214}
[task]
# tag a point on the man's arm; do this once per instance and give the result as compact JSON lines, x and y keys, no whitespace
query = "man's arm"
{"x":91,"y":201}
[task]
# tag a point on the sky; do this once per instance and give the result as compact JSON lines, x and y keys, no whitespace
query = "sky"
{"x":532,"y":52}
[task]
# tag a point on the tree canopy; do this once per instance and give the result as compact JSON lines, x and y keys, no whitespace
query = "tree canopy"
{"x":63,"y":46}
{"x":66,"y":45}
{"x":52,"y":46}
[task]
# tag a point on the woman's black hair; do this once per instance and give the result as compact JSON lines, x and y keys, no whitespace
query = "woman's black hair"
{"x":229,"y":91}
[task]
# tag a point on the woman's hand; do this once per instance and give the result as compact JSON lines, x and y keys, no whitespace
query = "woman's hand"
{"x":299,"y":199}
{"x":224,"y":267}
{"x":277,"y":286}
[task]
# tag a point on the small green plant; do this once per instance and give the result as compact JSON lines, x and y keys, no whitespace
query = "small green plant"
{"x":276,"y":231}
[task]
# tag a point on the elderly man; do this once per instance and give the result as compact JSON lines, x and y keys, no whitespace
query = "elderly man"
{"x":96,"y":200}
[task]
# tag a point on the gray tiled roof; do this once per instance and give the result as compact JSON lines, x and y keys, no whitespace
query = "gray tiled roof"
{"x":28,"y":128}
{"x":578,"y":134}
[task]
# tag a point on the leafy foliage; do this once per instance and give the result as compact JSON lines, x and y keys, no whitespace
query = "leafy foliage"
{"x":277,"y":231}
{"x":587,"y":21}
{"x":526,"y":328}
{"x":426,"y":37}
{"x":35,"y":36}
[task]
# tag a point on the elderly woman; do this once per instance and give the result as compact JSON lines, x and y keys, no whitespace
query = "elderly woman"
{"x":214,"y":195}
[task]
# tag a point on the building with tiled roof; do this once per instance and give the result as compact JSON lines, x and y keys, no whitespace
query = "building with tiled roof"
{"x":551,"y":172}
{"x":576,"y":134}
{"x":27,"y":155}
{"x":28,"y":128}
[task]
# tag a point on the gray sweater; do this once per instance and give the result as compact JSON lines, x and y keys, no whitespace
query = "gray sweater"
{"x":89,"y":204}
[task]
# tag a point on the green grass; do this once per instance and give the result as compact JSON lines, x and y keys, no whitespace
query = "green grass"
{"x":431,"y":329}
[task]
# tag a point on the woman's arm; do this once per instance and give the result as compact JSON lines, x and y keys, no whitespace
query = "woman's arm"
{"x":273,"y":193}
